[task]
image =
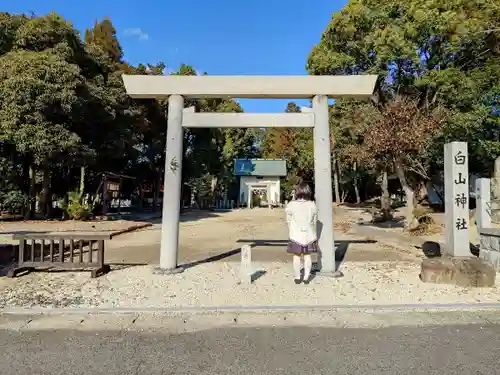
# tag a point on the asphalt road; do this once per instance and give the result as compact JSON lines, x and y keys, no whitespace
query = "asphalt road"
{"x":452,"y":349}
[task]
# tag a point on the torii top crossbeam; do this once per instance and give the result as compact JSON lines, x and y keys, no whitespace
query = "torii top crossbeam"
{"x":279,"y":87}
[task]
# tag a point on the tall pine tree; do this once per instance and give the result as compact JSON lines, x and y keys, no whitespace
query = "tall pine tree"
{"x":103,"y":35}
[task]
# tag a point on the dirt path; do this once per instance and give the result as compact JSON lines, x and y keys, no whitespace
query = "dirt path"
{"x":218,"y":236}
{"x":112,"y":227}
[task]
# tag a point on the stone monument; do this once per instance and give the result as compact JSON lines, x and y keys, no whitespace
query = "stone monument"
{"x":456,"y":199}
{"x":457,"y":266}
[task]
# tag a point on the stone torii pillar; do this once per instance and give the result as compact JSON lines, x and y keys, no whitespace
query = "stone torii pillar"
{"x":172,"y":182}
{"x":323,"y":186}
{"x":317,"y":88}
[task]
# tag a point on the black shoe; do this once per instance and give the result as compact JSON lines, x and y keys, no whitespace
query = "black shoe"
{"x":297,"y":281}
{"x":306,"y":282}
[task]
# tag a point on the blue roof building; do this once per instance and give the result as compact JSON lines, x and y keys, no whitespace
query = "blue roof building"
{"x":260,"y":181}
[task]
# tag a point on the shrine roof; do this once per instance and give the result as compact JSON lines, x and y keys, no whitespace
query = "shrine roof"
{"x":260,"y":167}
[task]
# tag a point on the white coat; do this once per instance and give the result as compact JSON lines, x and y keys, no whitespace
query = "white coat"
{"x":301,"y":217}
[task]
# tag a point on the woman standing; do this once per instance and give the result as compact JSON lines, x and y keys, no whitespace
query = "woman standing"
{"x":301,"y":217}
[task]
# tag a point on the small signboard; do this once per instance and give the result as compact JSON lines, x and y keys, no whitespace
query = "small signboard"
{"x":260,"y":167}
{"x":244,"y":167}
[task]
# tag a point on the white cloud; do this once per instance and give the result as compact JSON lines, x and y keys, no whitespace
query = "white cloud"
{"x":136,"y":32}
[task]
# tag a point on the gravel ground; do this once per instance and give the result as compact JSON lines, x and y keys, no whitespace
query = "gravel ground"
{"x":367,"y":280}
{"x":216,"y":284}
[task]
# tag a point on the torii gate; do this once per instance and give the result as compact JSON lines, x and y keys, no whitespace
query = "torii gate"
{"x":176,"y":88}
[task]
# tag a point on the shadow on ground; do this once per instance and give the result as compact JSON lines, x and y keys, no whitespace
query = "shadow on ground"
{"x":361,"y":205}
{"x":341,"y":246}
{"x":8,"y":255}
{"x":214,"y":258}
{"x":7,"y":218}
{"x":22,"y":232}
{"x":116,"y":266}
{"x":432,"y":249}
{"x":396,"y":222}
{"x":186,"y":216}
{"x":148,"y":217}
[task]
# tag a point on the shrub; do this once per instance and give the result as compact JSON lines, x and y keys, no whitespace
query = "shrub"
{"x":381,"y":215}
{"x":13,"y":201}
{"x":426,"y":223}
{"x":75,"y":208}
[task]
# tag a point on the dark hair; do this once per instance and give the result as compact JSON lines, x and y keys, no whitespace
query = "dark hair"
{"x":303,"y":191}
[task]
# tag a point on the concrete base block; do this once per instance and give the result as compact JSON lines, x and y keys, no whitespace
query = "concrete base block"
{"x":491,"y":256}
{"x":164,"y":271}
{"x":464,"y":272}
{"x":333,"y":275}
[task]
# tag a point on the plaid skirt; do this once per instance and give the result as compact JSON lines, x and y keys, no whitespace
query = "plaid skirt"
{"x":298,"y":249}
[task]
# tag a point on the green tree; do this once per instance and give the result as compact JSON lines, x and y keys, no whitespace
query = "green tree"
{"x":65,"y":117}
{"x":56,"y":100}
{"x":444,"y":55}
{"x":103,"y":34}
{"x":9,"y":24}
{"x":295,"y":145}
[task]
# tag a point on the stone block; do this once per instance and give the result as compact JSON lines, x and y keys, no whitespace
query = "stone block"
{"x":491,"y":256}
{"x":483,"y":199}
{"x":246,"y":264}
{"x":490,"y":246}
{"x":464,"y":272}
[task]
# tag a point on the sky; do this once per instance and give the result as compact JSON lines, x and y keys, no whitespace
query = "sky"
{"x":221,"y":37}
